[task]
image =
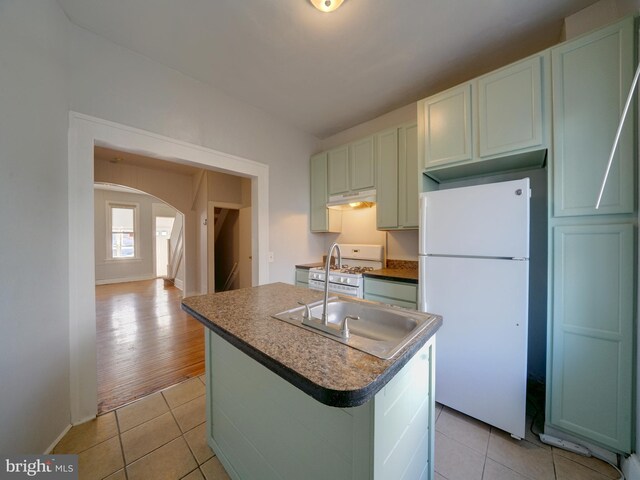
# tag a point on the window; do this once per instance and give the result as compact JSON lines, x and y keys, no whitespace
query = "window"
{"x":123,"y":231}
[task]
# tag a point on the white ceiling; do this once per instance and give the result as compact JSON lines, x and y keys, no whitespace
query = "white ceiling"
{"x":321,"y":72}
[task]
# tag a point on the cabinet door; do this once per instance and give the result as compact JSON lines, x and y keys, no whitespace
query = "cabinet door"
{"x":362,"y":165}
{"x":448,"y":127}
{"x":338,"y":165}
{"x":322,"y":219}
{"x":408,"y":177}
{"x":391,"y":292}
{"x":302,"y":277}
{"x":591,"y":79}
{"x":387,"y":190}
{"x":510,"y":108}
{"x":592,"y":333}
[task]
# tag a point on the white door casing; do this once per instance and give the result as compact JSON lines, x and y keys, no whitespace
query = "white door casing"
{"x":84,"y":133}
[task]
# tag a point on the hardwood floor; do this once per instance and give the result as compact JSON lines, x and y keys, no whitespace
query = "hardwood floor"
{"x":145,"y":342}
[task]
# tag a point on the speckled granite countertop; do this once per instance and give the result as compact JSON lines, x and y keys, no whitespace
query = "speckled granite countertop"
{"x":307,"y":266}
{"x":330,"y":372}
{"x":397,"y":270}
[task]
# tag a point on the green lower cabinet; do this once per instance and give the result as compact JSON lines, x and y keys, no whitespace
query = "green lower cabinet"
{"x":391,"y":292}
{"x":591,"y":333}
{"x":302,"y":277}
{"x":263,"y":428}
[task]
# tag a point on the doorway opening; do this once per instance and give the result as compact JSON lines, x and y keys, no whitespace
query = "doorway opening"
{"x":85,"y":132}
{"x":153,"y":239}
{"x":162,"y":231}
{"x":231,"y":246}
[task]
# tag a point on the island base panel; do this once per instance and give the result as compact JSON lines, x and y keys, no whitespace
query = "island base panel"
{"x":261,"y":427}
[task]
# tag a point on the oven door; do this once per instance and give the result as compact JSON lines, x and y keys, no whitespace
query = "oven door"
{"x":342,"y":289}
{"x":316,"y":284}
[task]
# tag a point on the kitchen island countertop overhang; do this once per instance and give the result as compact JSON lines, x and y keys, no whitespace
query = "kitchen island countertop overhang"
{"x":330,"y":372}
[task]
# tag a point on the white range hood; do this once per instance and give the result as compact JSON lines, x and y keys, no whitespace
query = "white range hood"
{"x":352,"y":200}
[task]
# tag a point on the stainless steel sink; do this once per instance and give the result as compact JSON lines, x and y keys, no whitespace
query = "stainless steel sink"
{"x":380,"y":330}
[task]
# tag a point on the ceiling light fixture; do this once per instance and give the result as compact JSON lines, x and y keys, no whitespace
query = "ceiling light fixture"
{"x":326,"y":6}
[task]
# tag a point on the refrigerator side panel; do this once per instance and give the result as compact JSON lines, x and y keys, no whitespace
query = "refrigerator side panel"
{"x":481,"y":366}
{"x":422,"y":232}
{"x":484,"y":220}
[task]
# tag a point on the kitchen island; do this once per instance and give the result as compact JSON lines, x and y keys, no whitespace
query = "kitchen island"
{"x":287,"y":403}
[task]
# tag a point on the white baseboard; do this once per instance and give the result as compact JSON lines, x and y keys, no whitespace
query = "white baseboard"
{"x":138,"y":278}
{"x":631,"y":467}
{"x":179,"y":284}
{"x":55,"y":442}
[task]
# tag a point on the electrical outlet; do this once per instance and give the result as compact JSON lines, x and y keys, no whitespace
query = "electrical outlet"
{"x":270,"y":257}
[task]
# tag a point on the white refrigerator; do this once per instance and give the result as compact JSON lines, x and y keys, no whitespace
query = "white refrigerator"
{"x":474,"y":271}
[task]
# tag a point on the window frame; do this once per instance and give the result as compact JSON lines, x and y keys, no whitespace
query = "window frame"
{"x":109,"y":206}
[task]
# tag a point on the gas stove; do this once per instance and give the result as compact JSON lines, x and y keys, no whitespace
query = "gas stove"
{"x":347,"y":278}
{"x":346,"y":269}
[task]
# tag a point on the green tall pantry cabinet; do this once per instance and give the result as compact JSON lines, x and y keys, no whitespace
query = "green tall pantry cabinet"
{"x":592,"y":252}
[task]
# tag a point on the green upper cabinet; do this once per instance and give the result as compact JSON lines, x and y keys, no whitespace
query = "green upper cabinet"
{"x":447,"y":117}
{"x":591,"y":79}
{"x":397,"y":167}
{"x":352,"y":167}
{"x":494,"y":123}
{"x":387,"y":191}
{"x":322,"y":219}
{"x":338,"y":165}
{"x":362,"y":165}
{"x":510,"y":108}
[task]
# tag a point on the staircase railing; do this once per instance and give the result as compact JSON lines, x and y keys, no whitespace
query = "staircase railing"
{"x":175,"y":255}
{"x":232,"y":276}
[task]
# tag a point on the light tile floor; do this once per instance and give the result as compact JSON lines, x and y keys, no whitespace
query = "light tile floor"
{"x":162,"y":436}
{"x":467,"y":449}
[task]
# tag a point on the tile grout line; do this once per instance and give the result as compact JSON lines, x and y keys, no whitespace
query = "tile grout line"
{"x":124,"y":460}
{"x":181,"y":432}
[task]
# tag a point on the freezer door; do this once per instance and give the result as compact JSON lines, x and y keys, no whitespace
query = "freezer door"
{"x":483,"y":220}
{"x":481,"y":359}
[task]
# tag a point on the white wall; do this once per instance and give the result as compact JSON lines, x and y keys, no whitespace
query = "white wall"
{"x":48,"y":67}
{"x":113,"y":83}
{"x":108,"y":270}
{"x":34,"y":305}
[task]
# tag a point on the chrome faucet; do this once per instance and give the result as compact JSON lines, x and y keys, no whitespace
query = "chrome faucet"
{"x":334,"y":245}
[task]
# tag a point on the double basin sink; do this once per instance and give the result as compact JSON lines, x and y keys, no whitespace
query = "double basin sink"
{"x":374,"y":328}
